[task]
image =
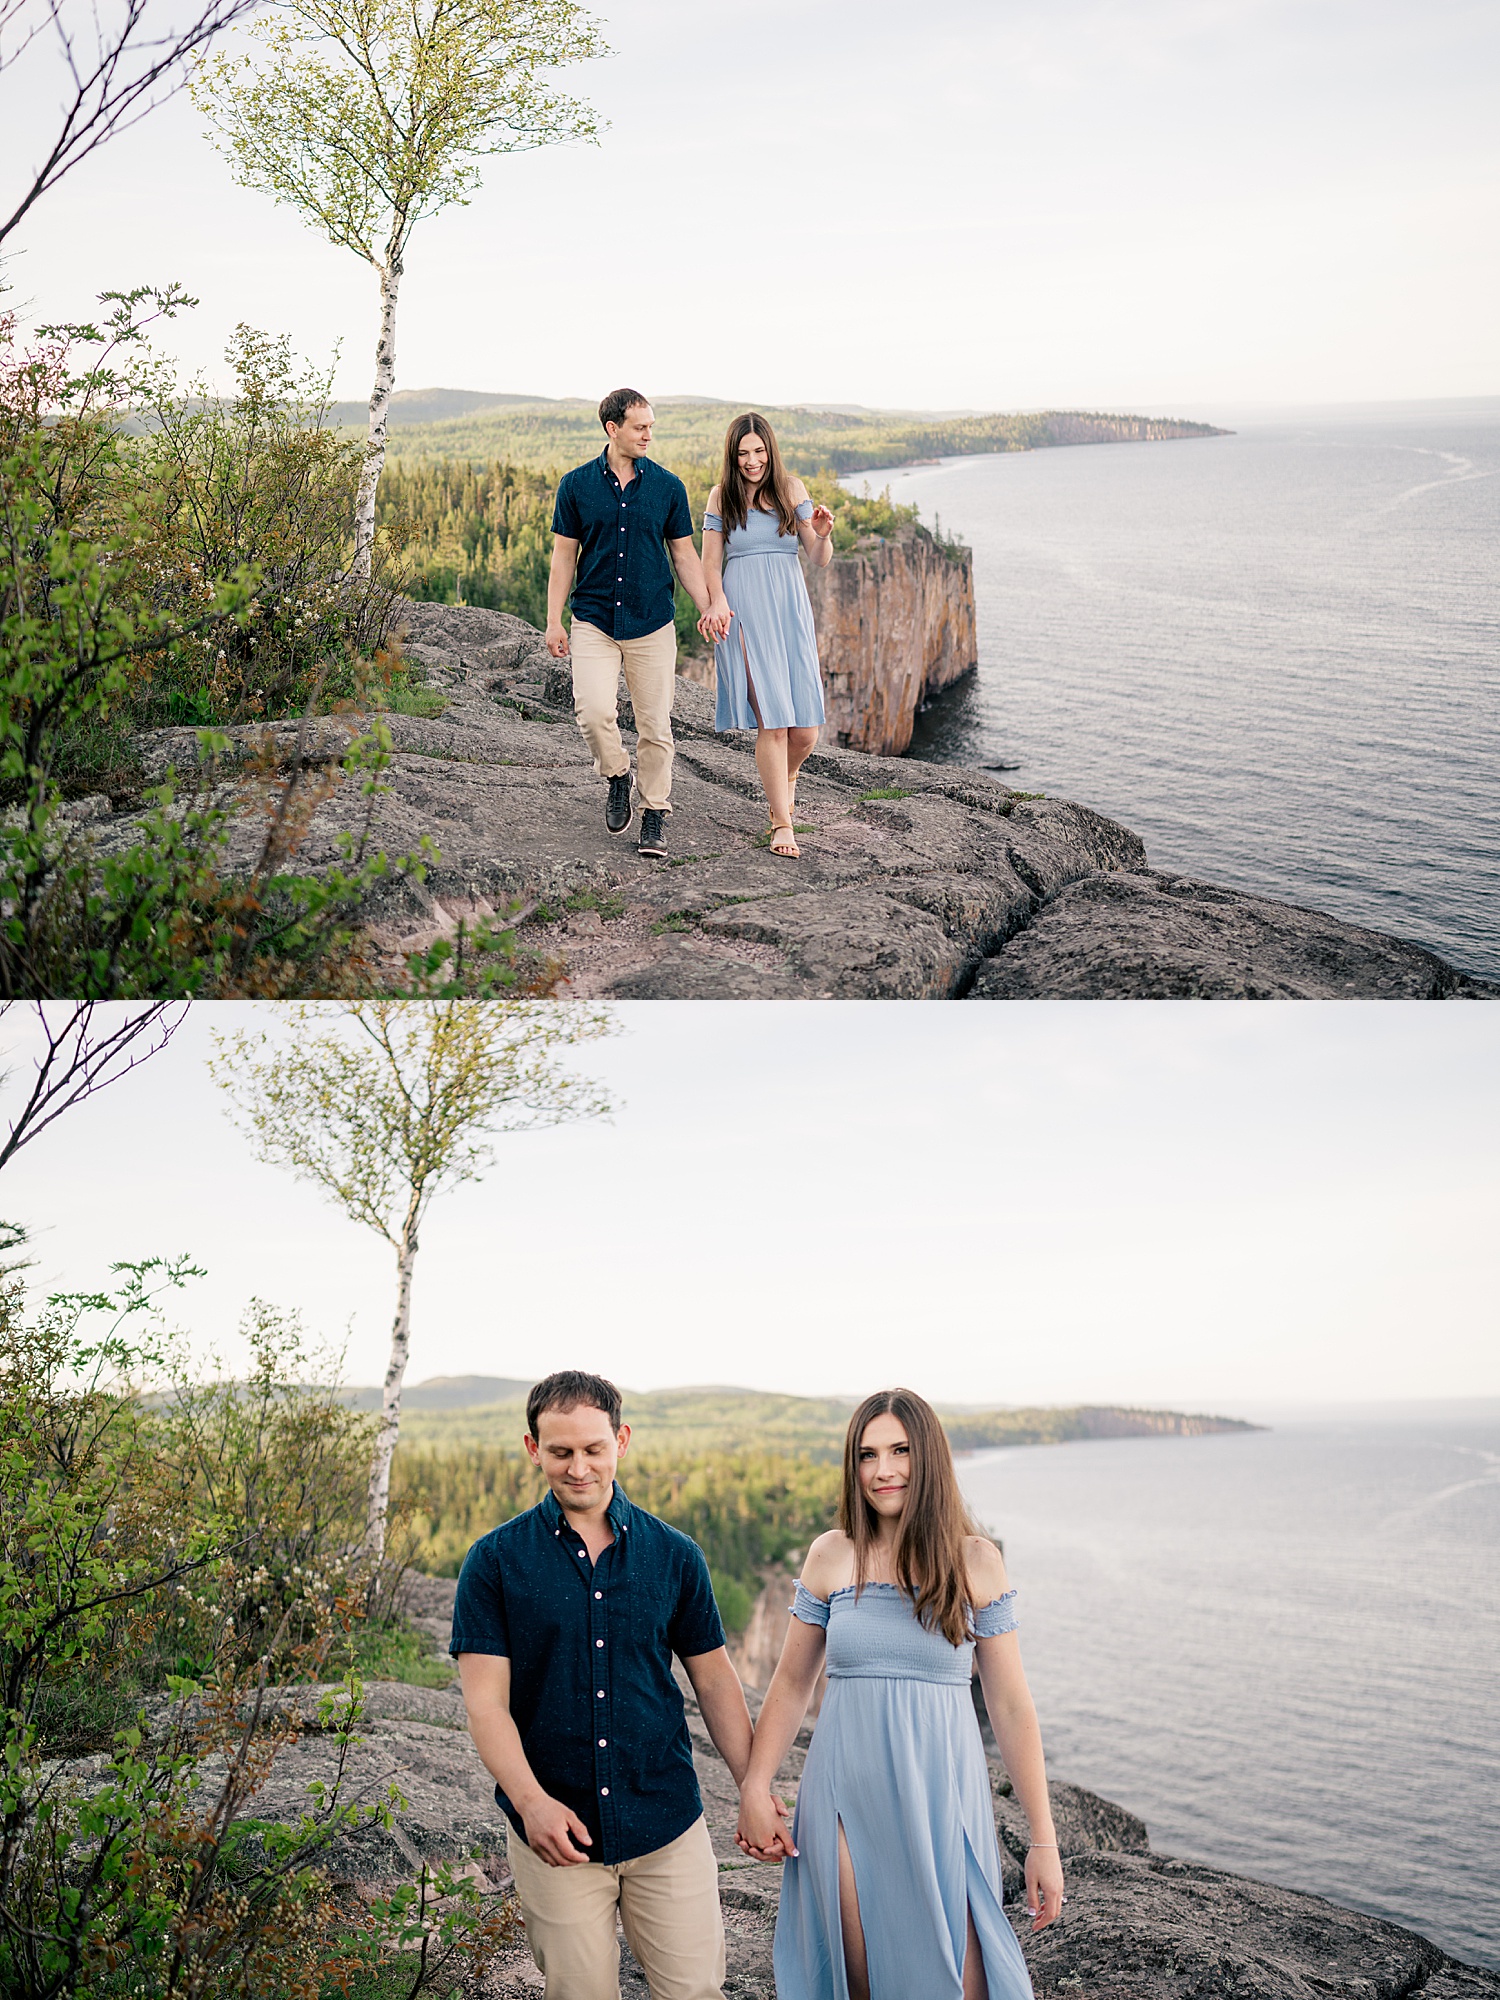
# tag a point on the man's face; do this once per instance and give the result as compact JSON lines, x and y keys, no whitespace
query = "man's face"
{"x":578,"y":1452}
{"x":632,"y":436}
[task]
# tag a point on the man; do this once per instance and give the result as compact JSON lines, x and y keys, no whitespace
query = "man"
{"x":614,"y":521}
{"x":564,"y":1627}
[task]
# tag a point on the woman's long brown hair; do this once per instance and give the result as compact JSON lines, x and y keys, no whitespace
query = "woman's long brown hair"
{"x":930,"y":1539}
{"x":734,"y":495}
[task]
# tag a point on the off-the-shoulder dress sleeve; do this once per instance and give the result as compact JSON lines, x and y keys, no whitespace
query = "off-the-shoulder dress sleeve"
{"x":990,"y":1620}
{"x":804,"y":510}
{"x":714,"y":521}
{"x":811,"y":1610}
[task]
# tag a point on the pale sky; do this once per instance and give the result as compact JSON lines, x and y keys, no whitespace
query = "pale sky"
{"x":1222,"y":1208}
{"x":1173,"y":206}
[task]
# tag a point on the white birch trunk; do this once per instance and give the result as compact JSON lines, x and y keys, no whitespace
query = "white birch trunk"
{"x":380,"y":402}
{"x":390,"y":1406}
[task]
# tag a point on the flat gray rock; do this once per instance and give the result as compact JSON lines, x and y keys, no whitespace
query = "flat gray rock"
{"x":1139,"y":935}
{"x":916,"y":881}
{"x":1138,"y":1925}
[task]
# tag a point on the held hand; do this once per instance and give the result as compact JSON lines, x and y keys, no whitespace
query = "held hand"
{"x":714,"y":624}
{"x":765,"y":1828}
{"x":557,"y":642}
{"x":822,"y":523}
{"x":1044,"y":1887}
{"x":557,"y":1835}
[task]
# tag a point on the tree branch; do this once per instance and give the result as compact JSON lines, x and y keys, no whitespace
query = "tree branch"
{"x":82,"y":1056}
{"x":128,"y":74}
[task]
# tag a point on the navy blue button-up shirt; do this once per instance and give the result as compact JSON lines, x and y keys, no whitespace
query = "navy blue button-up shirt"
{"x":624,"y":581}
{"x":590,"y":1647}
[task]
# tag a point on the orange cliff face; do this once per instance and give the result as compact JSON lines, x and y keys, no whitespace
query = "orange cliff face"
{"x":895,"y":624}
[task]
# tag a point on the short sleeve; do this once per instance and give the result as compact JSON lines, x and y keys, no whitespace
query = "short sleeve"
{"x":679,"y":520}
{"x":990,"y":1620}
{"x":713,"y":523}
{"x":479,"y":1623}
{"x":565,"y":517}
{"x":696,"y":1626}
{"x":804,"y":510}
{"x":811,"y":1610}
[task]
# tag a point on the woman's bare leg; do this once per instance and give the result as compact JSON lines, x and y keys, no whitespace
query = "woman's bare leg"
{"x":976,"y":1986}
{"x":799,"y":745}
{"x":770,"y":755}
{"x":770,"y":761}
{"x":856,"y":1965}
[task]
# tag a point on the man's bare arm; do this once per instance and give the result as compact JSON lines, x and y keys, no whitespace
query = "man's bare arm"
{"x":689,"y":567}
{"x":722,"y":1702}
{"x":553,"y":1832}
{"x":559,"y":583}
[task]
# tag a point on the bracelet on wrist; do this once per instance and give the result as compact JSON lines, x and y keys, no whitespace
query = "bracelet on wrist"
{"x":1042,"y":1843}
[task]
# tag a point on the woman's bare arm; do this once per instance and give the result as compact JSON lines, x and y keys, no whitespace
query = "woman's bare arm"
{"x":715,"y":621}
{"x":1012,"y":1716}
{"x":816,"y":535}
{"x":762,"y":1829}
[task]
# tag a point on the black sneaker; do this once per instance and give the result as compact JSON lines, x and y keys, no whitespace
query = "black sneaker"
{"x":617,"y":806}
{"x":653,"y":838}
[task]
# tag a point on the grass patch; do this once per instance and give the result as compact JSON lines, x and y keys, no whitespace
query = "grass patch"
{"x":391,"y":1981}
{"x":674,"y":923}
{"x":76,"y":1713}
{"x":608,"y":906}
{"x":400,"y":1653}
{"x":415,"y":698}
{"x":886,"y":792}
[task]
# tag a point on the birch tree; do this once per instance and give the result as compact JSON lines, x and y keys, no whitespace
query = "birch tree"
{"x":368,"y":115}
{"x":383,"y":1104}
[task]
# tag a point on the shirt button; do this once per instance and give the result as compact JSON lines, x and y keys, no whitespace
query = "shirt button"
{"x":601,"y":1694}
{"x":604,"y":1791}
{"x":603,"y":1742}
{"x":598,"y":1593}
{"x":598,"y":1642}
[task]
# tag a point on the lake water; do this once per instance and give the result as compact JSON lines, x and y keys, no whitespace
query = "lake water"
{"x":1280,"y":1648}
{"x":1274,"y":655}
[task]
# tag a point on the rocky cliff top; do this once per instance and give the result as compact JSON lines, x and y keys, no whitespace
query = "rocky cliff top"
{"x":1138,"y":1925}
{"x":917,"y":880}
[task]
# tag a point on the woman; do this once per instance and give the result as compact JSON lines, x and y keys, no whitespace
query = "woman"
{"x":892,"y":1886}
{"x":766,"y":652}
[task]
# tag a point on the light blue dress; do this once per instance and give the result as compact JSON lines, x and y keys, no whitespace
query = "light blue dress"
{"x":772,"y":627}
{"x":897,"y":1757}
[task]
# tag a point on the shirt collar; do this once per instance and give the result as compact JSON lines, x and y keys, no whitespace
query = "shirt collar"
{"x":619,"y":1510}
{"x":604,"y":467}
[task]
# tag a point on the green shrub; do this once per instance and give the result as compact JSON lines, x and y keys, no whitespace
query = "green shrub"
{"x":178,"y":1552}
{"x":123,"y":598}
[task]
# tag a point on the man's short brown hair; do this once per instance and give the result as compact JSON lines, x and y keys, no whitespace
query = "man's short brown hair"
{"x":612,"y":411}
{"x":566,"y":1390}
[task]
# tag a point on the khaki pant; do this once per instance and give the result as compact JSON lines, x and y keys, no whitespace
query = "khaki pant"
{"x":668,"y":1904}
{"x":650,"y":666}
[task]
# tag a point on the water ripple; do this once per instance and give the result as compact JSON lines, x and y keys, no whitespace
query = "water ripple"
{"x":1273,"y":655}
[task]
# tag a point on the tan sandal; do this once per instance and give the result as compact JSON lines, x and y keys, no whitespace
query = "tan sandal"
{"x":786,"y":846}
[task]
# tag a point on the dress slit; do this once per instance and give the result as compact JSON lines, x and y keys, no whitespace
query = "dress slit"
{"x":859,"y":1922}
{"x":749,"y":682}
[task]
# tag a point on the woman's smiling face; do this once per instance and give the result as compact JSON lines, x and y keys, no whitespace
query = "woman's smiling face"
{"x":885,"y":1465}
{"x":752,"y":456}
